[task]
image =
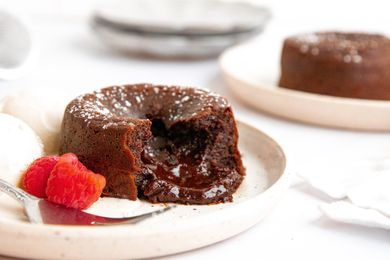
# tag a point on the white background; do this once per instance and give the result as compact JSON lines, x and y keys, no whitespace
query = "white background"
{"x":70,"y":57}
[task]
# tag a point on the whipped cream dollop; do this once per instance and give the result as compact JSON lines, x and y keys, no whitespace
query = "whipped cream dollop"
{"x":42,"y":109}
{"x":20,"y":145}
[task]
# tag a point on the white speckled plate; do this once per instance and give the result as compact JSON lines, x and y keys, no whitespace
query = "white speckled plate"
{"x":176,"y":28}
{"x":201,"y":17}
{"x":181,"y":229}
{"x":252,"y":71}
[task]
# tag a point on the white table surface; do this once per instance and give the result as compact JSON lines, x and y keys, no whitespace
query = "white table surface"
{"x":70,"y":57}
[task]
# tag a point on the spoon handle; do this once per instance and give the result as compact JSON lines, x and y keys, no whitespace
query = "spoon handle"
{"x":18,"y":194}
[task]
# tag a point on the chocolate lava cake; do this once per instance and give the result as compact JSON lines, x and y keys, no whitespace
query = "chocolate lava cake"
{"x":355,"y":65}
{"x":165,"y":144}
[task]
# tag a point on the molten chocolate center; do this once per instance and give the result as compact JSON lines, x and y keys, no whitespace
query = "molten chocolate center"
{"x":175,"y":158}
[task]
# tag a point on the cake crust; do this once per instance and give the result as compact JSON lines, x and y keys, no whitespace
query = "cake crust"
{"x":354,"y":65}
{"x":165,"y":144}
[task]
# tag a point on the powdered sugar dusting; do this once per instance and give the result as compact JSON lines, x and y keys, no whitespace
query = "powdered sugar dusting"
{"x":176,"y":171}
{"x":346,"y":47}
{"x":118,"y":105}
{"x":310,"y":38}
{"x":215,"y":191}
{"x":175,"y":191}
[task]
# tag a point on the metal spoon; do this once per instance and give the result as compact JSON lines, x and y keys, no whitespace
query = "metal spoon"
{"x":44,"y":212}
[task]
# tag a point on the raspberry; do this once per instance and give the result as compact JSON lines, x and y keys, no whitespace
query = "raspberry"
{"x":37,"y":174}
{"x":71,"y":184}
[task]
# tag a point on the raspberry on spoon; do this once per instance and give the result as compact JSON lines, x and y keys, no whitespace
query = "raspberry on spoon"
{"x":37,"y":174}
{"x":71,"y":184}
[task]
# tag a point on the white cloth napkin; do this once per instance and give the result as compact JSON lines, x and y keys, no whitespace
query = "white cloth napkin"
{"x":360,"y":187}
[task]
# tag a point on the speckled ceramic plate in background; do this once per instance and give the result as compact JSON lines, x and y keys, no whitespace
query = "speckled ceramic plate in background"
{"x":188,"y":17}
{"x":176,"y":28}
{"x":252,"y":72}
{"x":181,"y":229}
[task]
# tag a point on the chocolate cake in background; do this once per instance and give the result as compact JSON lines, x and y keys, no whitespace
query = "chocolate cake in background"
{"x":166,"y":144}
{"x":355,"y":65}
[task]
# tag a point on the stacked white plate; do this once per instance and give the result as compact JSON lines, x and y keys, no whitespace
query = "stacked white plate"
{"x":176,"y":28}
